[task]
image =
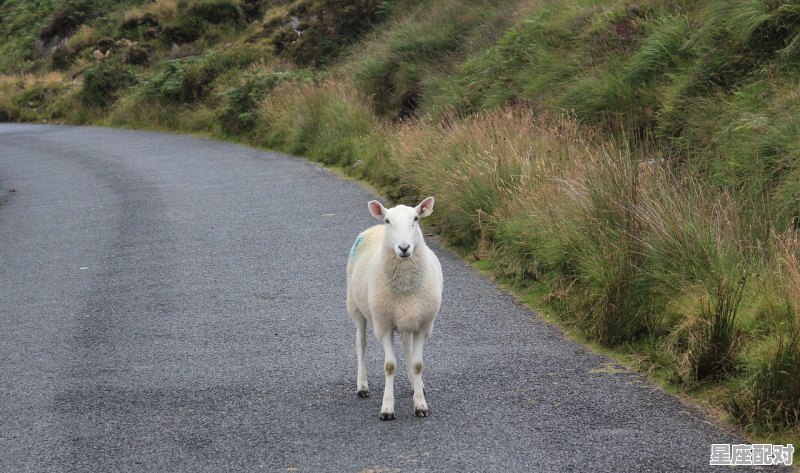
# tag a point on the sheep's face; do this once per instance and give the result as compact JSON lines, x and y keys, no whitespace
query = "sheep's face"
{"x":402,"y":225}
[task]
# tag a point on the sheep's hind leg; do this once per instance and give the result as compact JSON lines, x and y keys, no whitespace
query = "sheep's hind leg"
{"x":420,"y":406}
{"x":361,"y":349}
{"x":389,"y":365}
{"x":408,"y":355}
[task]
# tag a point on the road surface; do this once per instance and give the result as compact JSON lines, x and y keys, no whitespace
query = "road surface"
{"x":170,"y":303}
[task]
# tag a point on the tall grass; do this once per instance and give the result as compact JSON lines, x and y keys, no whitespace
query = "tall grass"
{"x":623,"y":240}
{"x":543,"y":197}
{"x":712,"y":347}
{"x":770,"y":399}
{"x":330,"y":122}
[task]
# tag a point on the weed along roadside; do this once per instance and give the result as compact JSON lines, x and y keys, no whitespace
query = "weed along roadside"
{"x":631,"y":170}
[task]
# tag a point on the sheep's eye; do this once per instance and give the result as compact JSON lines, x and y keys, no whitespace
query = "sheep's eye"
{"x":386,"y":220}
{"x":416,"y":218}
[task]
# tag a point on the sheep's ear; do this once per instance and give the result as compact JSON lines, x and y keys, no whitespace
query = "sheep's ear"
{"x":376,"y":209}
{"x":425,"y":207}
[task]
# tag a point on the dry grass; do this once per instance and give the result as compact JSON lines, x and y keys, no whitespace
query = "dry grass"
{"x":161,"y":9}
{"x":25,"y":81}
{"x":789,"y":262}
{"x":488,"y":166}
{"x":85,"y":35}
{"x":31,"y":97}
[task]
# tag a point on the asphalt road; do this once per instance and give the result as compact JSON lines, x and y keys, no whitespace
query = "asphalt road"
{"x":169,"y":303}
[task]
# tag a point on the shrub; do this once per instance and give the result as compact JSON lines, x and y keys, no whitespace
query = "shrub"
{"x":194,"y":23}
{"x":239,"y":102}
{"x":134,"y":22}
{"x":103,"y":81}
{"x":253,"y":9}
{"x":167,"y":82}
{"x":186,"y":29}
{"x":217,"y":12}
{"x":136,"y":55}
{"x":190,"y":80}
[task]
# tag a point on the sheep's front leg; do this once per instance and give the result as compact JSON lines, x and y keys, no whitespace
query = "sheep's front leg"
{"x":361,"y":348}
{"x":389,"y":365}
{"x":420,"y":406}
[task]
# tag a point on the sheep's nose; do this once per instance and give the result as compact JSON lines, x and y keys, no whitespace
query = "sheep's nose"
{"x":404,"y":249}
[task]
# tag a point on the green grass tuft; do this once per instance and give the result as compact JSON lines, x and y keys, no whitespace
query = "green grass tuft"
{"x":713,"y":346}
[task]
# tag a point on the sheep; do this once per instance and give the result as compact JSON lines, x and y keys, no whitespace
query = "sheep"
{"x":394,"y":282}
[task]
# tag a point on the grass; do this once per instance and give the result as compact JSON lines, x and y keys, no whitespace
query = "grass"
{"x":713,"y":347}
{"x":777,"y":388}
{"x":327,"y":121}
{"x":400,"y":63}
{"x":630,"y":169}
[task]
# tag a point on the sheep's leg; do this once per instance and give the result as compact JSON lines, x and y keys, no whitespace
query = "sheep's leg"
{"x":420,"y":406}
{"x":408,"y":352}
{"x":389,"y":365}
{"x":408,"y":355}
{"x":361,"y":349}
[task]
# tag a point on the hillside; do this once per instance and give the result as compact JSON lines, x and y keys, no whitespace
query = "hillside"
{"x":630,"y":168}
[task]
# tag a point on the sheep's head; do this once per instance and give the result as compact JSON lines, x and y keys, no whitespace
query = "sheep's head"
{"x":402,"y":225}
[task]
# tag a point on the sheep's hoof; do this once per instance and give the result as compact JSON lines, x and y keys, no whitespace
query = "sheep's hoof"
{"x":387,"y":415}
{"x":422,"y":412}
{"x":363,"y":393}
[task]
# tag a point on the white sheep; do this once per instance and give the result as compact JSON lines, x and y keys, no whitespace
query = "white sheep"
{"x":394,"y":281}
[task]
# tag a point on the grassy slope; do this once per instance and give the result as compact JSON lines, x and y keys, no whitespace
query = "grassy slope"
{"x":631,"y":168}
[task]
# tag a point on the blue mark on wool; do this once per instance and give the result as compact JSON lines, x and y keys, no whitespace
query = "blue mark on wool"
{"x":355,"y":246}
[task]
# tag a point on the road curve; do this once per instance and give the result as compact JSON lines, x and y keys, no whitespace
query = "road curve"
{"x":169,"y":303}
